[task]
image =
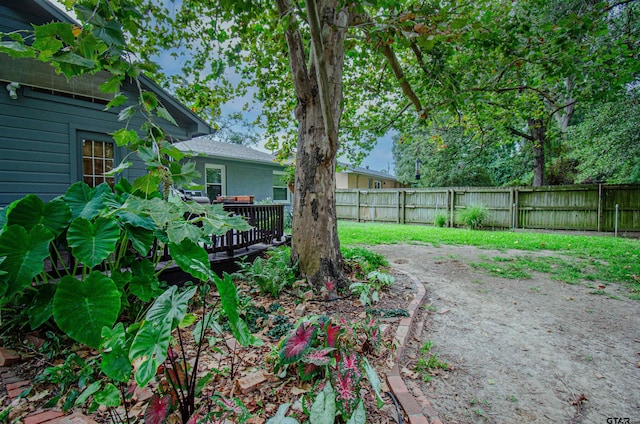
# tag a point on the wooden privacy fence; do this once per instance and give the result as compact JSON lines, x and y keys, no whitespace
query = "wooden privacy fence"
{"x":595,"y":207}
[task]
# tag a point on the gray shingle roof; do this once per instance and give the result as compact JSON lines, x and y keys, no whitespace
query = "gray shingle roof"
{"x":224,"y":150}
{"x":367,"y":171}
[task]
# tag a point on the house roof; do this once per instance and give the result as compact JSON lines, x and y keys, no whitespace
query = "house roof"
{"x":43,"y":11}
{"x":370,"y":172}
{"x":219,"y":149}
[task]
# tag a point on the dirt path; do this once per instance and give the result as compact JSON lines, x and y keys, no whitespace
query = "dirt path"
{"x":525,"y":351}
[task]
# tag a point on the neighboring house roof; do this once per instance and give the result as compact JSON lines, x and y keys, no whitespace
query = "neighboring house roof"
{"x":370,"y":172}
{"x":219,"y":149}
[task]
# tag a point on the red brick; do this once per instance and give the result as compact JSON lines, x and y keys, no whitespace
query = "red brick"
{"x":16,"y":392}
{"x":42,"y":417}
{"x":251,"y":382}
{"x":8,"y":357}
{"x":17,"y":385}
{"x":409,"y":404}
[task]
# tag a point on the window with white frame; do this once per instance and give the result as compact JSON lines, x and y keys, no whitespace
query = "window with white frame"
{"x":97,"y":159}
{"x":281,"y":191}
{"x":215,"y":181}
{"x":377,"y":184}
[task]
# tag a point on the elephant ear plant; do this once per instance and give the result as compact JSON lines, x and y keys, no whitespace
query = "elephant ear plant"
{"x":88,"y":263}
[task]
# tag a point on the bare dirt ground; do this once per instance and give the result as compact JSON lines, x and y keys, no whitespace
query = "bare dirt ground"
{"x":521,"y":351}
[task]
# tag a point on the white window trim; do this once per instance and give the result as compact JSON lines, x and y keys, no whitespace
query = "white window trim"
{"x":288,"y":201}
{"x":223,"y":178}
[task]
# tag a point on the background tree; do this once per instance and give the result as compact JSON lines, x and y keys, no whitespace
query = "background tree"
{"x":606,"y":144}
{"x":451,"y":158}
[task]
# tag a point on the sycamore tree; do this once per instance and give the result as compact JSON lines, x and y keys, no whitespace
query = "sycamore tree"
{"x":332,"y":75}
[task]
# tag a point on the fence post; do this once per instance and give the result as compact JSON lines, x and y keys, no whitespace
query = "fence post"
{"x":616,"y":224}
{"x":453,"y":206}
{"x":358,"y":205}
{"x":402,"y":198}
{"x":599,"y":207}
{"x":512,"y":206}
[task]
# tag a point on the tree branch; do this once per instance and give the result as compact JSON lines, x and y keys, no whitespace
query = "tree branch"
{"x":520,"y":134}
{"x":321,"y":71}
{"x":296,"y":52}
{"x":402,"y":80}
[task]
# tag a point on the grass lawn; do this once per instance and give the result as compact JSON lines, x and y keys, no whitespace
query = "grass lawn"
{"x":602,"y":258}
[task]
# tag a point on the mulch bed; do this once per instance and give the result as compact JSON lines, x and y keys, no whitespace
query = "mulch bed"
{"x":264,"y":401}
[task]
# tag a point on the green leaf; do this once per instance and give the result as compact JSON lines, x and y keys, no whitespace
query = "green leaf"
{"x":144,"y":284}
{"x":149,"y":100}
{"x":82,"y":308}
{"x":118,"y":100}
{"x":124,"y":137}
{"x":111,"y":34}
{"x":323,"y":410}
{"x":181,"y":230}
{"x":41,"y":308}
{"x":149,"y":156}
{"x":84,"y":201}
{"x":281,"y":418}
{"x":170,"y":306}
{"x":374,"y":380}
{"x":150,"y":344}
{"x":109,"y":396}
{"x":16,"y":49}
{"x":112,"y":85}
{"x":141,"y":239}
{"x":164,"y":114}
{"x":24,"y":254}
{"x":93,"y":242}
{"x":90,"y":390}
{"x":30,"y":211}
{"x":74,"y":59}
{"x":359,"y":416}
{"x":152,"y":340}
{"x":229,"y":300}
{"x":115,"y":360}
{"x":148,"y":184}
{"x":193,"y":259}
{"x":127,"y":113}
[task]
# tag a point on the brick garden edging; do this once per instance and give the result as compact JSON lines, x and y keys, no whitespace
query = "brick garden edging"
{"x":419,"y":409}
{"x":15,"y":385}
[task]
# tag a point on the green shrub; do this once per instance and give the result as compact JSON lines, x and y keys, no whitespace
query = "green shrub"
{"x":474,"y":216}
{"x":440,"y":220}
{"x":273,"y":273}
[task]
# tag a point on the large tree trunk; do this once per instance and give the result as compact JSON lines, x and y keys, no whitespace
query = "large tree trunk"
{"x":315,"y":241}
{"x":537,"y":134}
{"x":318,"y":83}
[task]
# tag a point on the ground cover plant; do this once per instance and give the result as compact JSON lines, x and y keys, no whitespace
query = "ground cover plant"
{"x":572,"y":258}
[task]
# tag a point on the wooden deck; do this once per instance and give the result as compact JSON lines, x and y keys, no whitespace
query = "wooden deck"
{"x":267,"y":222}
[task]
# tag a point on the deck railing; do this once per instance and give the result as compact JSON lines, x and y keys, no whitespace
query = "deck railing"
{"x":267,"y":222}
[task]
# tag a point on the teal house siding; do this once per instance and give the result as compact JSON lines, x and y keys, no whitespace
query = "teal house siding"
{"x":42,"y":128}
{"x":241,"y":178}
{"x":245,"y":171}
